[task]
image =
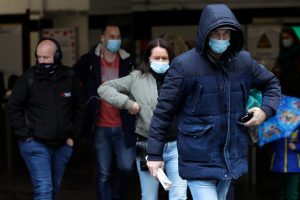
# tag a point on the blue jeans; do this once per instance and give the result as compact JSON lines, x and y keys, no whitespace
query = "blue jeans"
{"x":46,"y":166}
{"x":109,"y":144}
{"x":150,"y":185}
{"x":209,"y":189}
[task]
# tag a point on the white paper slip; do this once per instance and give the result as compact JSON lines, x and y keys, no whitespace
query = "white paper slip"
{"x":163,"y":179}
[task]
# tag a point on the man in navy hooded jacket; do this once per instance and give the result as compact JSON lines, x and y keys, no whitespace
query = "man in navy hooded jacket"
{"x":207,"y":88}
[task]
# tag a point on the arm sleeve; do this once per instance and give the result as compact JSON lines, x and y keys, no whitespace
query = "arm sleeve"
{"x":266,"y":82}
{"x":16,"y":107}
{"x":115,"y":91}
{"x":78,"y":107}
{"x":271,"y":92}
{"x":82,"y":68}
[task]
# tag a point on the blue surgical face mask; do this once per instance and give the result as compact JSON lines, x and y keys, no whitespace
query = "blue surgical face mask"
{"x":159,"y":67}
{"x":113,"y":45}
{"x":218,"y":46}
{"x":287,"y":42}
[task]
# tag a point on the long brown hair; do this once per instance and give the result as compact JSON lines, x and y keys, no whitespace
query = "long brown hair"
{"x":156,"y":42}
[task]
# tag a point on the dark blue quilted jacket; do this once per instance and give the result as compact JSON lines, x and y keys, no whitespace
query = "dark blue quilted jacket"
{"x":208,"y":97}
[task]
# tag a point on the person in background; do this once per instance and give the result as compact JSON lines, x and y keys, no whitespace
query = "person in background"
{"x":207,"y":89}
{"x":111,"y":130}
{"x":285,"y":152}
{"x":46,"y":112}
{"x":12,"y":79}
{"x":287,"y":66}
{"x":177,"y":42}
{"x":138,"y":94}
{"x":285,"y":164}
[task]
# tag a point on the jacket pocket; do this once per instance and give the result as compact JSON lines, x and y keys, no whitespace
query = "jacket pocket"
{"x":195,"y":142}
{"x":240,"y":141}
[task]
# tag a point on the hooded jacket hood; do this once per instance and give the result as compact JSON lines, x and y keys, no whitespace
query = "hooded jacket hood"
{"x":215,"y":16}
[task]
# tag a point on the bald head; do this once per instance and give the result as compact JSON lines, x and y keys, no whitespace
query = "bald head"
{"x":45,"y":51}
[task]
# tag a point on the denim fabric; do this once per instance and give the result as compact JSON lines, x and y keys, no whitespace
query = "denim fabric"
{"x":150,"y":185}
{"x":208,"y":189}
{"x":109,"y":144}
{"x":46,"y":166}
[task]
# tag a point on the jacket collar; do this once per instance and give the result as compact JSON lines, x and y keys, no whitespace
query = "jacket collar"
{"x":123,"y":54}
{"x":60,"y":72}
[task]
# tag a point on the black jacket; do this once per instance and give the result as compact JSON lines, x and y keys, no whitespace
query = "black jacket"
{"x":48,"y":107}
{"x":289,"y":62}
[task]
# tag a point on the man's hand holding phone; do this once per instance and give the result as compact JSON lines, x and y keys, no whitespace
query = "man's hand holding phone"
{"x":246,"y":118}
{"x":254,"y":117}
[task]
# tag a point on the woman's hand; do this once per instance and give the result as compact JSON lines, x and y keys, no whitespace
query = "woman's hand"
{"x":135,"y":108}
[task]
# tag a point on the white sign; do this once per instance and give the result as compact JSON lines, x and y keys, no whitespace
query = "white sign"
{"x":263,"y":43}
{"x":66,"y":37}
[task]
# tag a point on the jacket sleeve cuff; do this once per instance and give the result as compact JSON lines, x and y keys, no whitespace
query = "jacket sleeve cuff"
{"x":155,"y":149}
{"x":269,"y":112}
{"x":154,"y":157}
{"x":128,"y":104}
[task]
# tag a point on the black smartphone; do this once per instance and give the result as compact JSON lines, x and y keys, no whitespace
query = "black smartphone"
{"x":246,"y":118}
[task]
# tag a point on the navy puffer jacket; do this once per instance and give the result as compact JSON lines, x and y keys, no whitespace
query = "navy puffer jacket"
{"x":208,"y":97}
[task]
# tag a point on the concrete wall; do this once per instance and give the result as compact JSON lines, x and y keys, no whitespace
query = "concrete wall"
{"x":41,"y":6}
{"x":149,"y":5}
{"x":104,"y":7}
